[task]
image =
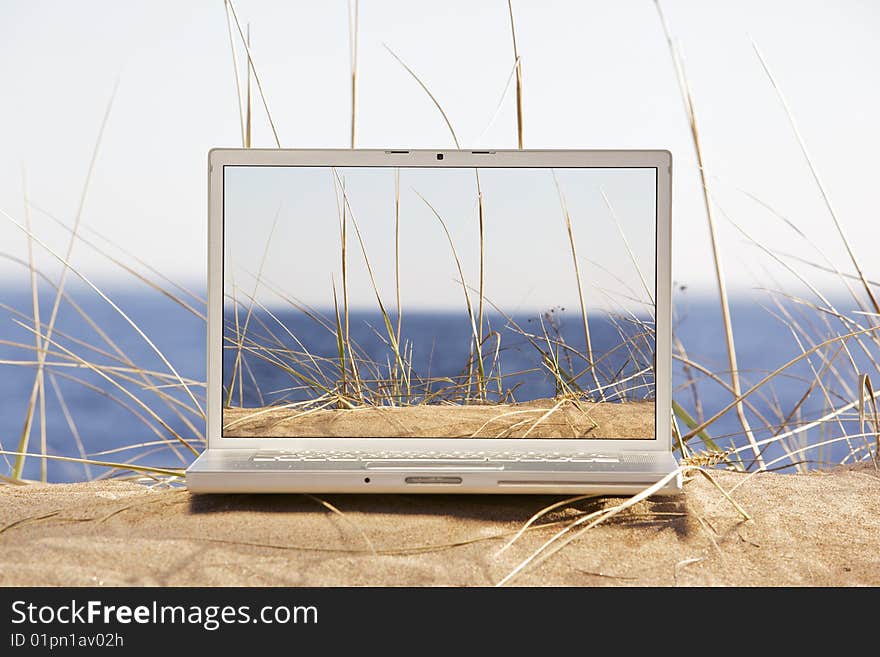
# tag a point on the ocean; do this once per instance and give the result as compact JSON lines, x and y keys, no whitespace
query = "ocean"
{"x":106,"y":417}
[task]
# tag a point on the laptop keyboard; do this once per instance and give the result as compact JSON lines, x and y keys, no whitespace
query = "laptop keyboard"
{"x":454,"y":457}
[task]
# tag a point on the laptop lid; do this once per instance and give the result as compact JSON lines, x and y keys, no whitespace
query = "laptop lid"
{"x":439,"y":300}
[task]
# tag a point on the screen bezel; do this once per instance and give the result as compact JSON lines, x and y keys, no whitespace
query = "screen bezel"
{"x":659,"y":160}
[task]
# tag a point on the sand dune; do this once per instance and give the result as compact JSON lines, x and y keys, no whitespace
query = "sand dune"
{"x":545,"y":418}
{"x":817,"y":529}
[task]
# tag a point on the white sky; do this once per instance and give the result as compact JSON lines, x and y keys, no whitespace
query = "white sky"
{"x":527,"y":261}
{"x":596,"y":74}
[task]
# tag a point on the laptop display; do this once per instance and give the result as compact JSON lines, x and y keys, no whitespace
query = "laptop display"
{"x":439,"y":302}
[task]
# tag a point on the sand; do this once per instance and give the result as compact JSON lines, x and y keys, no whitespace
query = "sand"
{"x":815,"y":529}
{"x":536,"y":419}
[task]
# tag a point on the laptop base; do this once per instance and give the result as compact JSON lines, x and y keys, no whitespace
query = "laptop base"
{"x":256,"y":471}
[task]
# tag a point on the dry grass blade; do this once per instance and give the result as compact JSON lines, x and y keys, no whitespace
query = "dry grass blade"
{"x":817,"y":380}
{"x":168,"y":472}
{"x":397,"y":248}
{"x":481,"y":293}
{"x":550,"y":411}
{"x":559,"y":540}
{"x":353,"y":46}
{"x":500,"y":416}
{"x":430,"y":95}
{"x":119,"y":310}
{"x":248,"y":117}
{"x":519,"y":82}
{"x":168,"y":294}
{"x":35,"y":390}
{"x":128,"y":254}
{"x":340,"y":342}
{"x":843,"y":319}
{"x":770,"y":377}
{"x":629,"y":250}
{"x":830,"y":266}
{"x":537,"y":516}
{"x":70,"y":423}
{"x":343,"y":239}
{"x":145,"y":376}
{"x":797,"y":451}
{"x":131,"y":446}
{"x":235,"y":70}
{"x":478,"y":347}
{"x":256,"y":75}
{"x":357,"y":527}
{"x":35,"y":306}
{"x":866,"y":386}
{"x":713,"y":238}
{"x":825,"y":197}
{"x":806,"y":426}
{"x":124,"y":404}
{"x":500,"y":104}
{"x":109,"y":379}
{"x":679,"y":350}
{"x":387,"y":320}
{"x":577,"y":273}
{"x":22,"y":521}
{"x":481,"y":383}
{"x":236,"y":367}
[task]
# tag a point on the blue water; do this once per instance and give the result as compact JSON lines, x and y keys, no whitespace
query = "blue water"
{"x":106,"y":417}
{"x":438,"y":355}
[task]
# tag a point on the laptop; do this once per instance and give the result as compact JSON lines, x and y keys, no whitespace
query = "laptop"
{"x":438,"y":321}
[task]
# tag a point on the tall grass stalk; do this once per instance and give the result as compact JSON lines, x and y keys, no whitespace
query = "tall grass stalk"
{"x":99,"y":371}
{"x":343,"y":239}
{"x":163,"y":291}
{"x":197,"y":298}
{"x":144,"y":376}
{"x":478,"y":346}
{"x":35,"y":389}
{"x":397,"y":266}
{"x":387,"y":320}
{"x":481,"y":294}
{"x":519,"y":80}
{"x":105,"y":464}
{"x":769,"y":377}
{"x":713,"y":239}
{"x":35,"y":306}
{"x":353,"y":51}
{"x":428,"y":92}
{"x":825,"y":197}
{"x":586,"y":522}
{"x":248,"y":117}
{"x":629,"y":251}
{"x":577,"y":272}
{"x":253,"y":66}
{"x":340,"y":342}
{"x":237,"y":364}
{"x":66,"y":264}
{"x":481,"y":383}
{"x":865,"y":386}
{"x":71,"y":424}
{"x":847,"y":322}
{"x":397,"y":249}
{"x":235,"y":71}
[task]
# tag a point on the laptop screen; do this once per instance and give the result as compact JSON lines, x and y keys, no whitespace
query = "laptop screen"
{"x":439,"y":302}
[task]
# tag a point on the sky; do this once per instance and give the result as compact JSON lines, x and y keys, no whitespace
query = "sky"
{"x":595,"y":75}
{"x":283,"y":225}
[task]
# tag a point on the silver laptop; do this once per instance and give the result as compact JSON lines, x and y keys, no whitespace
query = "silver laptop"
{"x":384,"y":321}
